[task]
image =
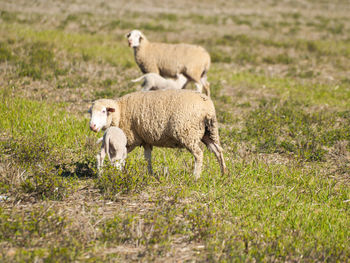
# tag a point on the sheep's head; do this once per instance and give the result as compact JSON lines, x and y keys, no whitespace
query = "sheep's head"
{"x":100,"y":114}
{"x":135,"y":37}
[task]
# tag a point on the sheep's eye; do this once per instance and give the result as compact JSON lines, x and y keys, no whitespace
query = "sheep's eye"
{"x":128,"y":35}
{"x":103,"y":111}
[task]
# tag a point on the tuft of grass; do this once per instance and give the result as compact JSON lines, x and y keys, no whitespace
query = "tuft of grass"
{"x":154,"y":27}
{"x":24,"y":230}
{"x":279,"y":59}
{"x":246,"y":56}
{"x":169,"y":16}
{"x":114,"y":182}
{"x":106,"y":93}
{"x":5,"y":52}
{"x":43,"y":183}
{"x":288,"y":128}
{"x":201,"y":19}
{"x":219,"y":56}
{"x":23,"y":118}
{"x":39,"y":62}
{"x":122,"y":24}
{"x":27,"y":150}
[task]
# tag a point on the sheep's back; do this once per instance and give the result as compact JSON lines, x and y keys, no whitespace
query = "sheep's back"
{"x":117,"y":137}
{"x":171,"y":58}
{"x":166,"y":118}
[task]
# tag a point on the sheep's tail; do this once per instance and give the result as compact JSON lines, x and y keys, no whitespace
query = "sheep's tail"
{"x":211,"y":140}
{"x":138,"y":79}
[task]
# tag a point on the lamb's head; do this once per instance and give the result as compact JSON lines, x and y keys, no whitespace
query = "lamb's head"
{"x":135,"y":37}
{"x":103,"y":114}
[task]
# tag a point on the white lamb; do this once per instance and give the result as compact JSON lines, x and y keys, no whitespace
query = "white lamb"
{"x":114,"y":145}
{"x":169,"y":59}
{"x":154,"y":81}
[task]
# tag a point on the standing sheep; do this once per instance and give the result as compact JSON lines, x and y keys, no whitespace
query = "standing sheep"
{"x":164,"y":118}
{"x":114,"y":144}
{"x":168,"y":59}
{"x":153,"y":81}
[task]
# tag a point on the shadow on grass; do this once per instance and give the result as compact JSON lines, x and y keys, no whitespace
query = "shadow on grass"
{"x":80,"y":169}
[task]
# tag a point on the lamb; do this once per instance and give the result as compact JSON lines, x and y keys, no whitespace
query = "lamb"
{"x":163,"y":118}
{"x":168,"y":59}
{"x":114,"y":144}
{"x":153,"y":81}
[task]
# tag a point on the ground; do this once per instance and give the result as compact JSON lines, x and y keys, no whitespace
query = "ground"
{"x":280,"y":82}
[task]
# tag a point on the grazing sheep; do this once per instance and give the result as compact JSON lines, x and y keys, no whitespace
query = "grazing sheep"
{"x":164,"y":118}
{"x":153,"y":81}
{"x":114,"y":144}
{"x":168,"y":59}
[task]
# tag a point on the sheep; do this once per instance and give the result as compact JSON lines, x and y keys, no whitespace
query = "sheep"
{"x":168,"y":59}
{"x":162,"y":118}
{"x":153,"y":81}
{"x":114,"y":144}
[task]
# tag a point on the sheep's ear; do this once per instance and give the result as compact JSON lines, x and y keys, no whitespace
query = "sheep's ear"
{"x":127,"y":35}
{"x":110,"y":109}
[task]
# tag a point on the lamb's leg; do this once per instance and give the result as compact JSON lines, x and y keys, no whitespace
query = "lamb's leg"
{"x":198,"y":160}
{"x":217,"y":150}
{"x":148,"y":156}
{"x":146,"y":86}
{"x":100,"y":159}
{"x":199,"y":86}
{"x":180,"y":81}
{"x":119,"y":160}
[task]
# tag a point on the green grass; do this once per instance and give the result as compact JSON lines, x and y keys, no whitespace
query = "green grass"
{"x":281,"y":90}
{"x":97,"y":47}
{"x":287,"y":128}
{"x":336,"y":95}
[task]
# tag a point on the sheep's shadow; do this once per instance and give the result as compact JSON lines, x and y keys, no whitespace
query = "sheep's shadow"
{"x":79,"y":169}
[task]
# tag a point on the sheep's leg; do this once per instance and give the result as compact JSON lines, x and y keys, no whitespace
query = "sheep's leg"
{"x":129,"y":148}
{"x":200,"y":86}
{"x":148,"y":157}
{"x":205,"y":84}
{"x":217,"y":150}
{"x":198,"y":160}
{"x":199,"y":79}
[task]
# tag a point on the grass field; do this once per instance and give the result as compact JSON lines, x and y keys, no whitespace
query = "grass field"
{"x":280,"y":81}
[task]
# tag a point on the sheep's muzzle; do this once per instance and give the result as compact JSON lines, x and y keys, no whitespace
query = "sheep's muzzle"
{"x":93,"y":127}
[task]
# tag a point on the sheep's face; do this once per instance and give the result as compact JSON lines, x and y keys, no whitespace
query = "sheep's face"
{"x":134,"y":38}
{"x":99,"y":117}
